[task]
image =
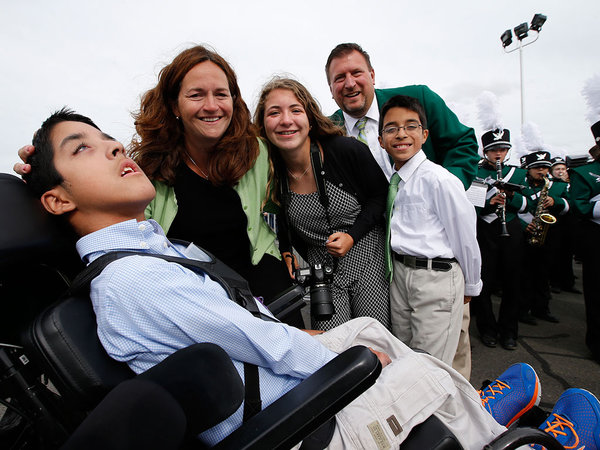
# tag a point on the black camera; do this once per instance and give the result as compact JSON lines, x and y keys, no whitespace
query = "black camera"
{"x":319,"y":278}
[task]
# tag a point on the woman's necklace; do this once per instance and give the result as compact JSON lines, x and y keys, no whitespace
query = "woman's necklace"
{"x":204,"y":174}
{"x":297,"y":177}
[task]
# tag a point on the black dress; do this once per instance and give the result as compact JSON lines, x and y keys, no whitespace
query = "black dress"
{"x":212,"y":217}
{"x":359,"y":285}
{"x":357,"y":191}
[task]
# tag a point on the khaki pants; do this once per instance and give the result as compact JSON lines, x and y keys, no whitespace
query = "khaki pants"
{"x":462,"y":359}
{"x":409,"y":390}
{"x":426,"y":308}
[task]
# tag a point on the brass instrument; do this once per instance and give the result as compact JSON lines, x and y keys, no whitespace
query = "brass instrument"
{"x":501,"y":210}
{"x":542,"y":219}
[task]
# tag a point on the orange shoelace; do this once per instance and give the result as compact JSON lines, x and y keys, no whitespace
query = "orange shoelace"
{"x":558,"y":426}
{"x":494,"y":388}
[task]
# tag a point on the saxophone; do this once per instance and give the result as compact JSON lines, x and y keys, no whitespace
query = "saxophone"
{"x":542,"y":219}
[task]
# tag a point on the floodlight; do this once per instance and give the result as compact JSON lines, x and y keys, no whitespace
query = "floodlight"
{"x":521,"y":31}
{"x":537,"y":22}
{"x":506,"y":38}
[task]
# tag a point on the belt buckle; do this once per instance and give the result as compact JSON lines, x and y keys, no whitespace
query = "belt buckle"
{"x":410,"y":261}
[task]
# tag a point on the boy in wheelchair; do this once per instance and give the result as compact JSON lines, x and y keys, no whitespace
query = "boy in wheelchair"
{"x":147,"y":308}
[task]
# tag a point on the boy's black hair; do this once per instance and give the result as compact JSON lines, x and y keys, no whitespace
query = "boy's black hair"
{"x":43,"y":175}
{"x":403,"y":101}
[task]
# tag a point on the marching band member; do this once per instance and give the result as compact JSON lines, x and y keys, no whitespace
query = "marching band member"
{"x":585,"y":192}
{"x":498,"y":253}
{"x":561,"y":242}
{"x":553,"y":195}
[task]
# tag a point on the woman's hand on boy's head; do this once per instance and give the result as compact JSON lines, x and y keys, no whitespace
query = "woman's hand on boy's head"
{"x":24,"y":153}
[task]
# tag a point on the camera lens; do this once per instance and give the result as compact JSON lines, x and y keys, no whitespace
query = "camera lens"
{"x":321,"y":302}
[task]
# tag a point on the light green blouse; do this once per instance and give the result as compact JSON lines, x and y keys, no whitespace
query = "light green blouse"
{"x":252,"y":191}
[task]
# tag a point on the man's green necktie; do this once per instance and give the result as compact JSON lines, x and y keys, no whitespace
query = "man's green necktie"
{"x":392,"y":191}
{"x":362,"y":137}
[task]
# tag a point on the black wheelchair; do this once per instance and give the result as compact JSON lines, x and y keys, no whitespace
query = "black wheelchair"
{"x":55,"y":375}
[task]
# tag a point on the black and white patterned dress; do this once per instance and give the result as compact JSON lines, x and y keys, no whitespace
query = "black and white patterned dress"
{"x":359,"y":287}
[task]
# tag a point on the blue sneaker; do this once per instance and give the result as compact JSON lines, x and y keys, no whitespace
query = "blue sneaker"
{"x":515,"y":392}
{"x":575,"y":421}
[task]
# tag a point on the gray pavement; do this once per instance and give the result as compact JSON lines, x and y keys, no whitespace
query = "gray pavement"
{"x":557,"y":352}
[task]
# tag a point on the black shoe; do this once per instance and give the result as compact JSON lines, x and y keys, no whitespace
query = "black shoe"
{"x":572,"y":290}
{"x":528,"y":319}
{"x":555,"y":290}
{"x":488,"y":340}
{"x":508,"y":343}
{"x":547,"y":317}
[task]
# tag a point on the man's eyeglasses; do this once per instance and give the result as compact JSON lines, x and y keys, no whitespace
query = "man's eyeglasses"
{"x":410,"y":128}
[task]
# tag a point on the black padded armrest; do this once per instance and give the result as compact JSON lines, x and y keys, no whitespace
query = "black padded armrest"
{"x":431,"y":434}
{"x":288,"y":420}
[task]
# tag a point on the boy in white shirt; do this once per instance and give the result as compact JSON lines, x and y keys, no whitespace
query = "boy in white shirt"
{"x":433,"y":259}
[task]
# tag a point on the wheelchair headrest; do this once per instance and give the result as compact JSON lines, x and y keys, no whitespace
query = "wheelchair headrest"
{"x":37,"y":257}
{"x":27,"y":232}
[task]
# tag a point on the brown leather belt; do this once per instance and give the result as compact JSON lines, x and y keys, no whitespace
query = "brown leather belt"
{"x":415,"y":262}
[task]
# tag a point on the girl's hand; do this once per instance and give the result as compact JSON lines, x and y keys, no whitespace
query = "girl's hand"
{"x":338,"y":244}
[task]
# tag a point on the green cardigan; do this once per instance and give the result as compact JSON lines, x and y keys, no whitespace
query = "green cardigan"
{"x":451,"y":144}
{"x":252,"y":191}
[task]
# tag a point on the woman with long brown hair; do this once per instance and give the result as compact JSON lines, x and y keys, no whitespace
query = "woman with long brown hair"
{"x":332,"y":195}
{"x":197,"y":144}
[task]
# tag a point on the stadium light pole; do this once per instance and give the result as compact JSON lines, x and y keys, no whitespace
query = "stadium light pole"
{"x":523,"y":39}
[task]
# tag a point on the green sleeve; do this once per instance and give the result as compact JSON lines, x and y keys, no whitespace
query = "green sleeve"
{"x":450,"y":144}
{"x":581,"y":193}
{"x":560,"y":194}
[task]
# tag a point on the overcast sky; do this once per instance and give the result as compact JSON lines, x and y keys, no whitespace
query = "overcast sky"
{"x":98,"y":56}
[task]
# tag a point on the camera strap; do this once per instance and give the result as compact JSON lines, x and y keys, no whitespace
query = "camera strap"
{"x":236,"y":287}
{"x":318,"y":173}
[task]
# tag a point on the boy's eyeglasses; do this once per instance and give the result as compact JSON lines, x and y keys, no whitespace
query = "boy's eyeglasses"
{"x":410,"y":128}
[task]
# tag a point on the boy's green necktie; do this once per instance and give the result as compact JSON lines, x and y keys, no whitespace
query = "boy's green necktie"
{"x":392,"y":191}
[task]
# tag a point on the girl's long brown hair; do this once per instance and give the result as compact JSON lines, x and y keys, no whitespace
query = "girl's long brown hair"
{"x":321,"y":126}
{"x":158,"y":147}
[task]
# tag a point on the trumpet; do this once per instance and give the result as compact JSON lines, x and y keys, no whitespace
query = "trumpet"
{"x":542,"y":219}
{"x":501,"y":210}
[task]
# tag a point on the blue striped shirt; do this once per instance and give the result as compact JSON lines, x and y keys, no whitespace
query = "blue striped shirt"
{"x":147,"y":308}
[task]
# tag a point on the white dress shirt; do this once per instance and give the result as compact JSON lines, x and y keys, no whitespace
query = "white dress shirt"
{"x":432,"y":218}
{"x":372,"y":134}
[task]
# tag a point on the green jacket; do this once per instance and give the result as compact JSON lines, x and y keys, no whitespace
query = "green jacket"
{"x":252,"y":191}
{"x":451,"y":144}
{"x":515,"y":204}
{"x":585,"y":190}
